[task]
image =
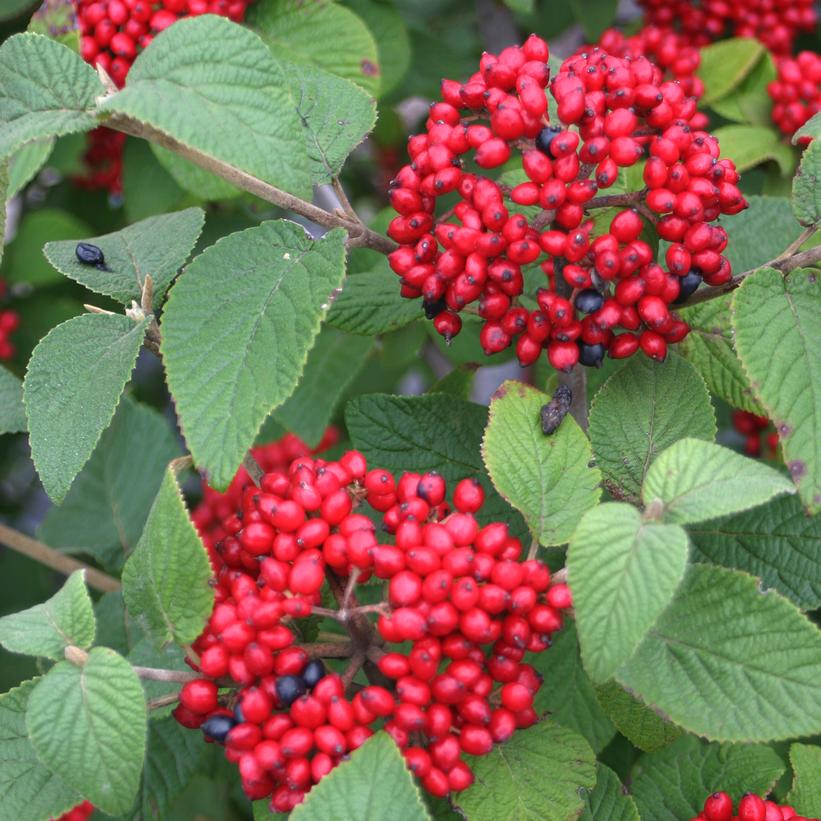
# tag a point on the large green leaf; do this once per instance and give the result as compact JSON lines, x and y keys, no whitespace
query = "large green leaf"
{"x":104,"y":512}
{"x":609,"y":800}
{"x":234,"y":106}
{"x":594,"y":16}
{"x":567,"y":694}
{"x":26,"y":163}
{"x":698,"y":480}
{"x":749,"y":101}
{"x":157,"y":246}
{"x":148,"y":189}
{"x":806,"y":192}
{"x":88,"y":725}
{"x":192,"y":178}
{"x":632,"y":419}
{"x":434,"y":432}
{"x":805,"y":794}
{"x":729,"y":662}
{"x":72,"y":387}
{"x":783,"y":365}
{"x":333,"y":363}
{"x":66,"y":619}
{"x":236,"y":332}
{"x":751,"y":145}
{"x":302,"y":33}
{"x":373,"y":783}
{"x":548,"y":478}
{"x":12,"y":411}
{"x":46,"y":90}
{"x":29,"y":791}
{"x":672,"y":784}
{"x":166,"y":579}
{"x":541,"y":774}
{"x":623,"y":572}
{"x":724,"y":65}
{"x":777,"y":542}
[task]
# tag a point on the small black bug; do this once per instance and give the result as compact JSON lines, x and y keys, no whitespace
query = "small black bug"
{"x":89,"y":254}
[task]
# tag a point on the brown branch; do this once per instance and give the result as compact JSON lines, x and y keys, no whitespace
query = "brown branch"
{"x":613,"y":200}
{"x":353,"y":668}
{"x":328,"y":650}
{"x":158,"y":674}
{"x":52,"y":558}
{"x":163,"y":701}
{"x":576,"y":380}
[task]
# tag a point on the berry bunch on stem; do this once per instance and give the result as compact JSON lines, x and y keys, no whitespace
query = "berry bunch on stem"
{"x":719,"y":807}
{"x":443,"y":649}
{"x":759,"y":435}
{"x":796,"y":92}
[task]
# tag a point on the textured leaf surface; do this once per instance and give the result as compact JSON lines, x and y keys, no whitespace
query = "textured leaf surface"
{"x":12,"y":411}
{"x":67,"y":618}
{"x":567,"y":694}
{"x":786,"y":377}
{"x":547,"y":478}
{"x":104,"y":512}
{"x":632,"y":419}
{"x":373,"y":783}
{"x":230,"y":362}
{"x":729,"y":662}
{"x":751,"y":145}
{"x":425,"y":433}
{"x":72,"y":387}
{"x":698,"y":480}
{"x":806,"y":192}
{"x":370,"y":304}
{"x":609,"y":800}
{"x":26,"y":163}
{"x":333,"y":363}
{"x":672,"y":784}
{"x":302,"y":33}
{"x":805,"y":794}
{"x":88,"y":724}
{"x":166,"y":578}
{"x":234,"y":106}
{"x":623,"y":573}
{"x":512,"y":782}
{"x":724,"y":65}
{"x":46,"y":90}
{"x":29,"y":791}
{"x":777,"y":542}
{"x":336,"y":116}
{"x":157,"y":246}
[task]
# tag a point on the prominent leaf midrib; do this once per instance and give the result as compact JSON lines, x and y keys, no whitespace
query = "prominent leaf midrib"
{"x":711,"y":482}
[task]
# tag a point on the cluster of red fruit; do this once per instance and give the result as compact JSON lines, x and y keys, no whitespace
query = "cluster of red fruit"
{"x":601,"y":277}
{"x":776,"y":23}
{"x":455,"y":590}
{"x":796,"y":93}
{"x":78,"y":813}
{"x":756,"y":430}
{"x":9,"y":323}
{"x":719,"y":807}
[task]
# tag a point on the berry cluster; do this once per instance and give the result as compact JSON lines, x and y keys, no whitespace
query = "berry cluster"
{"x":103,"y":161}
{"x":775,"y":23}
{"x":78,"y":813}
{"x":9,"y":323}
{"x":757,"y":431}
{"x":601,"y":276}
{"x":719,"y":807}
{"x":455,"y":591}
{"x":796,"y":92}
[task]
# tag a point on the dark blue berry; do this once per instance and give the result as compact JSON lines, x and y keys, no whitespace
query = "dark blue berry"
{"x":433,"y":309}
{"x":545,"y":137}
{"x":313,"y":672}
{"x":589,"y":301}
{"x":289,"y":689}
{"x":218,"y":727}
{"x":591,"y":355}
{"x":89,"y":254}
{"x":687,"y":285}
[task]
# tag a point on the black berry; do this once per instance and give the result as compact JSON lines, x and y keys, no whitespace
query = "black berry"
{"x":591,"y":355}
{"x":433,"y":309}
{"x":217,"y":727}
{"x":289,"y":689}
{"x":89,"y":254}
{"x":589,"y":301}
{"x":313,"y":672}
{"x":687,"y":284}
{"x":545,"y":137}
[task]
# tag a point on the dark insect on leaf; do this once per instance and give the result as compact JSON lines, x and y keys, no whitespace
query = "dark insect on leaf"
{"x":556,"y":409}
{"x":90,"y":254}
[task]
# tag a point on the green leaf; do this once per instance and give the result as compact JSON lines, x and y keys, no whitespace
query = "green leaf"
{"x":725,"y":64}
{"x":673,"y":784}
{"x":811,"y":128}
{"x":12,"y":8}
{"x":419,"y":434}
{"x":88,"y":725}
{"x":336,"y":116}
{"x":777,"y":542}
{"x":609,"y":799}
{"x":28,"y":790}
{"x":547,"y":478}
{"x":643,"y":727}
{"x":623,"y":573}
{"x":749,"y":101}
{"x":458,"y":383}
{"x":25,"y":164}
{"x":783,"y":365}
{"x":594,"y":16}
{"x":66,"y":619}
{"x":370,"y":304}
{"x":540,"y":774}
{"x":567,"y":694}
{"x":332,"y":365}
{"x":166,"y":579}
{"x":12,"y":411}
{"x":72,"y":387}
{"x":751,"y":145}
{"x":805,"y":794}
{"x":698,"y":480}
{"x":300,"y":33}
{"x":157,"y":246}
{"x":632,"y":419}
{"x":47,"y":90}
{"x":373,"y":783}
{"x":729,"y":662}
{"x":191,"y":178}
{"x":233,"y":107}
{"x":104,"y":513}
{"x":230,"y":362}
{"x":148,"y":189}
{"x":806,"y":192}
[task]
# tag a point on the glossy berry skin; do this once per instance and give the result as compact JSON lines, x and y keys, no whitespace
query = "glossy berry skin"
{"x":217,"y":727}
{"x":719,"y":807}
{"x":313,"y":672}
{"x":289,"y":689}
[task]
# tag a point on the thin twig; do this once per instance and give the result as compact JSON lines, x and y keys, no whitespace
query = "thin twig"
{"x":612,"y":200}
{"x":353,"y":668}
{"x":253,"y":468}
{"x":158,"y":674}
{"x":328,"y":650}
{"x":349,"y":587}
{"x":52,"y":558}
{"x":347,"y":208}
{"x":163,"y":701}
{"x":534,"y":549}
{"x":576,"y":380}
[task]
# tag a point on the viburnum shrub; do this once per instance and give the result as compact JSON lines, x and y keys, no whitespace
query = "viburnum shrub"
{"x":331,"y":485}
